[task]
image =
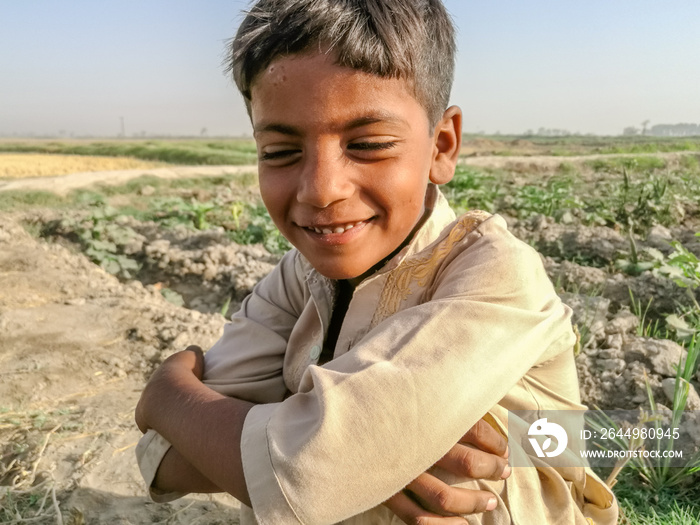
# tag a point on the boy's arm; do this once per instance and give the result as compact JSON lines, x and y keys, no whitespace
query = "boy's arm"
{"x":246,"y":362}
{"x":206,"y":427}
{"x":478,"y":454}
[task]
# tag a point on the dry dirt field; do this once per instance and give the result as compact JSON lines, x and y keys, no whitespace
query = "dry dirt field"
{"x":77,"y":345}
{"x":75,"y":348}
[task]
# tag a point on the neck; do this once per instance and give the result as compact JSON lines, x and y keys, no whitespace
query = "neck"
{"x":355,"y":281}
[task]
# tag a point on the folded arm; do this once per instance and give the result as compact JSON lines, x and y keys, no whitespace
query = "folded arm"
{"x":433,"y":369}
{"x":175,"y":389}
{"x":205,"y":426}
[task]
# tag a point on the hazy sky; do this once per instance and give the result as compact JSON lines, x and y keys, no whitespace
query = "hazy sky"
{"x":595,"y":66}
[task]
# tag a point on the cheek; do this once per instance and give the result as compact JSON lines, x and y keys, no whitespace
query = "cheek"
{"x":274,"y":196}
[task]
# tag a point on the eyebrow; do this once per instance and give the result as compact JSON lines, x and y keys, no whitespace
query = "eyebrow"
{"x":353,"y":124}
{"x":277,"y":128}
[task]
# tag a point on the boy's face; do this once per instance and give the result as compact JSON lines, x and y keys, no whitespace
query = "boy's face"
{"x":344,"y":160}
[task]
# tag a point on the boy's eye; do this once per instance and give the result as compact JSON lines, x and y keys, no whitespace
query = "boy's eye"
{"x":371,"y":146}
{"x":282,"y":154}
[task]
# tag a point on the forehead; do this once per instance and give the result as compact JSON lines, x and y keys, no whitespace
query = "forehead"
{"x":313,"y":89}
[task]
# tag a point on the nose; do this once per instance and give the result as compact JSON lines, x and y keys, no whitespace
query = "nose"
{"x":325,"y":178}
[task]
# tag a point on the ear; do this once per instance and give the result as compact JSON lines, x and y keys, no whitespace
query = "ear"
{"x":448,"y":142}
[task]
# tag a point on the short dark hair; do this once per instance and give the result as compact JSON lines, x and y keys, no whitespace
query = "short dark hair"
{"x":409,"y":39}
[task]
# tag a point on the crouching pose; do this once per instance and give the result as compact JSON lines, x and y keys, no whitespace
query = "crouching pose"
{"x":339,"y":390}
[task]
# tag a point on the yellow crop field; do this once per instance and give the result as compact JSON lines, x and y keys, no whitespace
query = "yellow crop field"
{"x":20,"y":165}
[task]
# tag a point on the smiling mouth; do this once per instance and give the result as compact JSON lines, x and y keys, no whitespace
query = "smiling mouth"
{"x":335,"y":228}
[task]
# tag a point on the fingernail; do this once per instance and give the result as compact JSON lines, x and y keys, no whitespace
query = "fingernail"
{"x":507,"y":452}
{"x":491,"y":504}
{"x":506,"y":472}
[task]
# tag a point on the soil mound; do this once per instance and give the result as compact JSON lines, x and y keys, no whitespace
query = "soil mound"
{"x":76,"y":346}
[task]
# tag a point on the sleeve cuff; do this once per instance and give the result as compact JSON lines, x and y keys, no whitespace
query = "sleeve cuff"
{"x":150,"y":451}
{"x":269,"y":502}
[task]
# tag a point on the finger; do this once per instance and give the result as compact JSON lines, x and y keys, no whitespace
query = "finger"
{"x":199,"y":365}
{"x":412,"y":513}
{"x":467,"y":461}
{"x":192,"y":358}
{"x":440,"y":498}
{"x":484,"y":437}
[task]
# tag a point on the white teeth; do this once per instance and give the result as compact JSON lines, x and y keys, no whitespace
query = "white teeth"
{"x":337,"y":229}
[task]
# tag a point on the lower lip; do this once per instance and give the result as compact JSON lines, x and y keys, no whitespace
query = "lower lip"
{"x":336,"y":239}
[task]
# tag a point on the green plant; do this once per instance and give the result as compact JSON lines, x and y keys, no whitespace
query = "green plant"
{"x":172,"y":297}
{"x":639,"y":202}
{"x":682,"y":266}
{"x":100,"y":237}
{"x":553,"y":200}
{"x":170,"y":151}
{"x":256,"y":226}
{"x":226,"y":305}
{"x":640,"y":506}
{"x":172,"y":211}
{"x":637,"y":262}
{"x":657,"y":473}
{"x":473,"y":189}
{"x":690,"y":162}
{"x":685,"y":323}
{"x":20,"y":199}
{"x":646,"y":327}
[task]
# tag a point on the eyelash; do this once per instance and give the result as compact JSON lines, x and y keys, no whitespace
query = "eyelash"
{"x":279,"y":154}
{"x":371,"y":146}
{"x":357,"y":146}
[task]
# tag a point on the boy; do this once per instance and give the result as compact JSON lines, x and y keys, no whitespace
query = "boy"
{"x":392,"y":327}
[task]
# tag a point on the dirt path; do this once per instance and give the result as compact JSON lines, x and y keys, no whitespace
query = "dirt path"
{"x":65,"y":183}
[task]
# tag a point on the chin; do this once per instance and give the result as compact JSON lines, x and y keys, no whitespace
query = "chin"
{"x":336,"y":273}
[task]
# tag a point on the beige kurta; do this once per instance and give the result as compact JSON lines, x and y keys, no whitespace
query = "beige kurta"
{"x":462,"y":321}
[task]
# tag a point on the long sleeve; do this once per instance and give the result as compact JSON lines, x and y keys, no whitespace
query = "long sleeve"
{"x":365,"y":424}
{"x":247,"y":361}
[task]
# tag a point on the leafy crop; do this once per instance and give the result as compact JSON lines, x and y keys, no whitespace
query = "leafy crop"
{"x":256,"y":226}
{"x":657,"y":472}
{"x":101,"y":238}
{"x":554,"y":199}
{"x":174,"y":210}
{"x":471,"y":189}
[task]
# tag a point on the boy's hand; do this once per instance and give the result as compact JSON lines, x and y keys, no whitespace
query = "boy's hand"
{"x":481,"y":454}
{"x":190,"y":361}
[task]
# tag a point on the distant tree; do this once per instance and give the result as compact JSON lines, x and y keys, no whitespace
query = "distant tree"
{"x":553,"y":132}
{"x":644,"y":126}
{"x":630,"y":130}
{"x":203,"y":133}
{"x":675,"y":130}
